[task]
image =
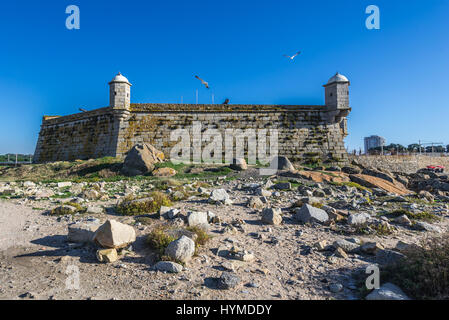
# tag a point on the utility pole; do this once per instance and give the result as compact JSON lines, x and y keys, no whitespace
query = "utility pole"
{"x":182,"y":100}
{"x":16,"y":159}
{"x":196,"y":96}
{"x":213,"y":98}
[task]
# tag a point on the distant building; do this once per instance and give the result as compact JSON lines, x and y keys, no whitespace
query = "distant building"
{"x":373,"y":142}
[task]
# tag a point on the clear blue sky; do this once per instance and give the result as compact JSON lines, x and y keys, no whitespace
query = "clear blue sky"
{"x":399,"y":74}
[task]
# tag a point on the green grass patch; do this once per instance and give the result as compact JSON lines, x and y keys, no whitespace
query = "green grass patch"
{"x":158,"y":240}
{"x":422,"y":215}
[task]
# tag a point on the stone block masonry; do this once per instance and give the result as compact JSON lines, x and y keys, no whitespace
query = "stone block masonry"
{"x":312,"y":134}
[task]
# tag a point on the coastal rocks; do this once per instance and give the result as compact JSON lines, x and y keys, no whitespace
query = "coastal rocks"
{"x":308,"y":213}
{"x":113,"y":234}
{"x":181,"y":249}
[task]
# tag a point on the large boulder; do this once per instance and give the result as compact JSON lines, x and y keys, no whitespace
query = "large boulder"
{"x":181,"y":249}
{"x":308,"y":213}
{"x":282,"y":163}
{"x":239,"y":164}
{"x":141,"y":159}
{"x":113,"y":234}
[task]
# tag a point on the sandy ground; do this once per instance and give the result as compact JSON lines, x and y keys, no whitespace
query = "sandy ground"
{"x":37,"y":262}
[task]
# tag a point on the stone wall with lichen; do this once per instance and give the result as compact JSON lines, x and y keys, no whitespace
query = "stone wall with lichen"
{"x":305,"y":133}
{"x":85,"y":135}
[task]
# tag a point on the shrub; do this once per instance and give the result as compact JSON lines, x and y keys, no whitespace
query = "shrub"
{"x":202,"y":235}
{"x":158,"y":239}
{"x":424,"y":271}
{"x":426,"y":216}
{"x":131,"y":206}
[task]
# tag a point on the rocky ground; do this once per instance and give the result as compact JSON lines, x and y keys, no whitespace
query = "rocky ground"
{"x":300,"y":234}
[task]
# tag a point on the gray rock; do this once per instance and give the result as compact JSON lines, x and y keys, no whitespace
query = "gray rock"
{"x":181,"y":249}
{"x":403,"y":220}
{"x":219,"y":196}
{"x":347,"y":246}
{"x":94,"y":210}
{"x":387,"y":291}
{"x":228,"y":280}
{"x":272,"y":216}
{"x":359,"y":218}
{"x":308,"y":213}
{"x":195,"y":218}
{"x":168,"y":266}
{"x":255,"y":203}
{"x":282,"y":186}
{"x":421,"y":225}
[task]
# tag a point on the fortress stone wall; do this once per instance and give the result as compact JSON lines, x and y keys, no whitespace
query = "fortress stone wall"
{"x":305,"y":133}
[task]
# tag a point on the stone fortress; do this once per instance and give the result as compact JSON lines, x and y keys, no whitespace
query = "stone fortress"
{"x":306,"y":133}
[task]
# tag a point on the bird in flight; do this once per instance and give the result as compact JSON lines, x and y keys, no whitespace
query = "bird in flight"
{"x":82,"y":110}
{"x":206,"y":84}
{"x":226,"y":101}
{"x":293,"y":56}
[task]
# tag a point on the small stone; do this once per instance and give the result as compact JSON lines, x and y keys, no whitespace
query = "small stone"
{"x":228,"y":281}
{"x":308,"y":213}
{"x":168,"y":266}
{"x":339,"y":252}
{"x":107,"y":255}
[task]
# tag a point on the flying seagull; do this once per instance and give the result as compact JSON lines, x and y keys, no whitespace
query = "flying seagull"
{"x":226,"y":101}
{"x":206,"y":84}
{"x":293,"y":56}
{"x":82,"y":110}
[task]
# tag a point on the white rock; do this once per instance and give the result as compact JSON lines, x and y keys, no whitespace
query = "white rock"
{"x":113,"y":234}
